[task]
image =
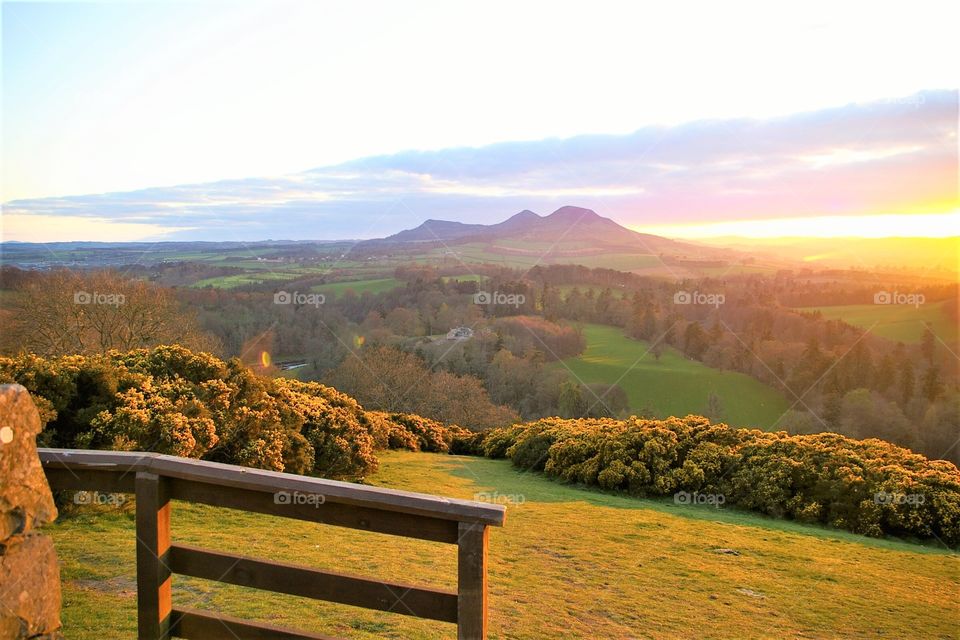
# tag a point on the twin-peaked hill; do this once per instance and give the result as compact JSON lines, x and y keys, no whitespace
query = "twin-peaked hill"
{"x":571,"y":230}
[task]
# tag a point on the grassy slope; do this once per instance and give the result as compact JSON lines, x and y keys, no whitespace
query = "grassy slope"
{"x":570,"y":563}
{"x":674,"y":385}
{"x":903,"y":323}
{"x":377,"y":285}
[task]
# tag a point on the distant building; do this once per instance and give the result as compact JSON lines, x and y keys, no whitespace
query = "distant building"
{"x":460,"y":333}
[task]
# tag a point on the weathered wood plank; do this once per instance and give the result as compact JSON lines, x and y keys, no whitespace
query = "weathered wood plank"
{"x":296,"y":580}
{"x":272,"y":481}
{"x":332,"y":490}
{"x":154,"y":602}
{"x":202,"y":625}
{"x":331,"y":513}
{"x":472,"y":581}
{"x":92,"y":457}
{"x":109,"y":481}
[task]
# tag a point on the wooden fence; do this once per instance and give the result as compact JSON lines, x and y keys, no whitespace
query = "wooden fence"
{"x":157,"y":479}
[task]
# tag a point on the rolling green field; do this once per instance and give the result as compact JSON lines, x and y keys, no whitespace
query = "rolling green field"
{"x":376,"y":285}
{"x":737,"y":269}
{"x":568,"y":563}
{"x":528,"y":254}
{"x":674,"y":385}
{"x":900,"y":322}
{"x":240,"y":279}
{"x":565,"y":289}
{"x":259,"y":272}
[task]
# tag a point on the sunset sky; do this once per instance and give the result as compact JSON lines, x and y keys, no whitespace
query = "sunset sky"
{"x":323,"y":120}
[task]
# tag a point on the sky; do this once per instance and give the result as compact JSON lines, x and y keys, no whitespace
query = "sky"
{"x":324,"y":120}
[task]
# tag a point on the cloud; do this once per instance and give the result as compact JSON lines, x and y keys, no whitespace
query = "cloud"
{"x":880,"y":157}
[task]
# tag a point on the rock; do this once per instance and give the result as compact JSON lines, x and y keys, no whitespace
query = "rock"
{"x":29,"y":573}
{"x":30,"y":591}
{"x":25,"y":498}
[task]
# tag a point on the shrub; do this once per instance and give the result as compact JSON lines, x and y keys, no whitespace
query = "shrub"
{"x":415,"y":433}
{"x":870,"y":487}
{"x":468,"y":443}
{"x":174,"y":401}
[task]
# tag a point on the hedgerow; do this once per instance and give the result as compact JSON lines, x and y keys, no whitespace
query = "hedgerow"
{"x":865,"y":486}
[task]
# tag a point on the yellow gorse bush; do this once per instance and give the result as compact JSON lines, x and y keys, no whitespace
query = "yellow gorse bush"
{"x":865,"y":486}
{"x":175,"y":401}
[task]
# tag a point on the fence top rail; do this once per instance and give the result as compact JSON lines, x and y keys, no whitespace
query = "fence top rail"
{"x":228,"y":475}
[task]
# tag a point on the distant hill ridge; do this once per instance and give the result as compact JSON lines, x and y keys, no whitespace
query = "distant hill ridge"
{"x":567,"y":225}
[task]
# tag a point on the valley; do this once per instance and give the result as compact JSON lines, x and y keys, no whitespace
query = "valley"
{"x":427,"y":320}
{"x":672,"y":385}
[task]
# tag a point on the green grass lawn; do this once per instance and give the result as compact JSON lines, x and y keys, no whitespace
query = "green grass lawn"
{"x":240,"y":279}
{"x":377,"y":285}
{"x":900,"y":322}
{"x":674,"y":385}
{"x":569,"y":563}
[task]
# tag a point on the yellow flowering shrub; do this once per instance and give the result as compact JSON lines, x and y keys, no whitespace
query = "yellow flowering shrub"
{"x":865,"y":486}
{"x":174,"y":401}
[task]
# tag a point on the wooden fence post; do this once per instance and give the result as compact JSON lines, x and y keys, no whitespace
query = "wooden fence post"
{"x":154,"y":602}
{"x":472,"y":581}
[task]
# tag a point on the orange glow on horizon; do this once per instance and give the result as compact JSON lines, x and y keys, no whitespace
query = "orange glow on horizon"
{"x":902,"y":225}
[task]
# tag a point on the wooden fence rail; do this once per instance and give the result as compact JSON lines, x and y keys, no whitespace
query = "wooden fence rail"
{"x":157,"y":479}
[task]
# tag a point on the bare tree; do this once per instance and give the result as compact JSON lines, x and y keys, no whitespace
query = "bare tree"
{"x":67,"y":312}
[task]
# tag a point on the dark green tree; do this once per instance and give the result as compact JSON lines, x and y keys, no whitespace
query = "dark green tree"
{"x":931,"y":383}
{"x":906,"y":383}
{"x":928,"y":345}
{"x":571,"y":401}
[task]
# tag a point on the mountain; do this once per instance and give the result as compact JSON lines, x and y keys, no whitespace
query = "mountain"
{"x":434,"y":230}
{"x":571,"y":230}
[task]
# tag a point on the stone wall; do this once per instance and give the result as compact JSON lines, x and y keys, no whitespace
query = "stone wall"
{"x":29,"y":574}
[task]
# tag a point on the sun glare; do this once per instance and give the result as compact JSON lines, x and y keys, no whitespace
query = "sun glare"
{"x":919,"y":225}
